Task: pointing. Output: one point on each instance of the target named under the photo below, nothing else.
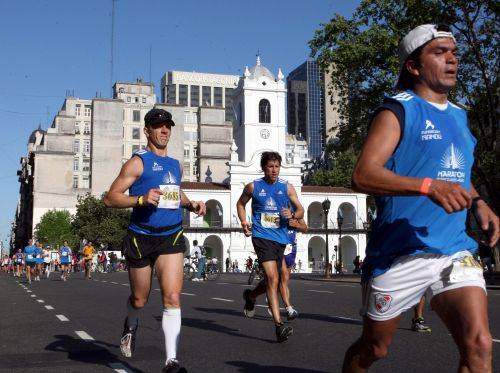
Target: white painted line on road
(83, 335)
(29, 291)
(104, 281)
(322, 291)
(120, 368)
(125, 284)
(40, 301)
(223, 283)
(159, 290)
(33, 296)
(347, 286)
(496, 340)
(49, 307)
(223, 300)
(247, 286)
(347, 318)
(265, 306)
(190, 294)
(116, 283)
(62, 318)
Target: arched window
(264, 111)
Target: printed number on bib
(30, 256)
(465, 268)
(171, 198)
(65, 254)
(270, 220)
(288, 249)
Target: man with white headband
(417, 160)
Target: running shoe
(127, 342)
(417, 325)
(283, 332)
(173, 367)
(249, 309)
(292, 314)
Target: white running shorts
(412, 276)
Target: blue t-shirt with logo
(19, 258)
(65, 254)
(30, 253)
(158, 172)
(267, 202)
(436, 144)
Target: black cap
(156, 116)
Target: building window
(86, 146)
(75, 182)
(76, 146)
(77, 109)
(86, 164)
(135, 148)
(218, 96)
(85, 182)
(206, 96)
(128, 98)
(77, 128)
(86, 128)
(136, 116)
(136, 99)
(121, 90)
(195, 151)
(186, 152)
(187, 169)
(144, 100)
(183, 94)
(136, 133)
(195, 96)
(264, 111)
(229, 104)
(88, 110)
(171, 97)
(76, 164)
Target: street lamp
(340, 220)
(326, 207)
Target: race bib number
(171, 198)
(288, 249)
(464, 269)
(64, 254)
(270, 220)
(30, 256)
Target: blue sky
(50, 46)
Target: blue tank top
(30, 253)
(65, 253)
(163, 173)
(436, 144)
(267, 202)
(19, 257)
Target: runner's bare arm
(298, 224)
(129, 173)
(371, 177)
(487, 219)
(294, 199)
(240, 207)
(197, 207)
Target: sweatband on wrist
(426, 184)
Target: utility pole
(112, 45)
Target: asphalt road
(75, 326)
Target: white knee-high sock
(171, 324)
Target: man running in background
(46, 261)
(29, 259)
(417, 160)
(38, 261)
(65, 260)
(18, 262)
(88, 255)
(271, 199)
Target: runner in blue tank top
(272, 203)
(30, 259)
(155, 237)
(417, 160)
(18, 263)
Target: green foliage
(363, 53)
(95, 222)
(340, 173)
(54, 228)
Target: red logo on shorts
(382, 302)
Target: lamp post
(340, 220)
(326, 207)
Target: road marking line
(29, 291)
(264, 306)
(62, 318)
(33, 296)
(40, 301)
(104, 281)
(223, 300)
(347, 318)
(159, 290)
(346, 286)
(49, 307)
(125, 284)
(322, 291)
(116, 283)
(120, 368)
(190, 294)
(223, 283)
(83, 335)
(496, 340)
(247, 286)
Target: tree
(339, 173)
(95, 222)
(54, 228)
(363, 53)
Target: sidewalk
(492, 281)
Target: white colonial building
(260, 125)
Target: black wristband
(475, 200)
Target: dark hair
(195, 242)
(407, 80)
(269, 156)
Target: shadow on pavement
(333, 319)
(246, 367)
(228, 312)
(93, 352)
